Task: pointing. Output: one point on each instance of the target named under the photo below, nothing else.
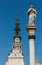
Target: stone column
(31, 28)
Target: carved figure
(32, 17)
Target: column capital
(31, 29)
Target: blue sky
(8, 13)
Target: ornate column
(31, 28)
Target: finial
(17, 29)
(31, 6)
(17, 21)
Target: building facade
(16, 56)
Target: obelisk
(31, 28)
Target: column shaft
(32, 51)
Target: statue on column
(32, 15)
